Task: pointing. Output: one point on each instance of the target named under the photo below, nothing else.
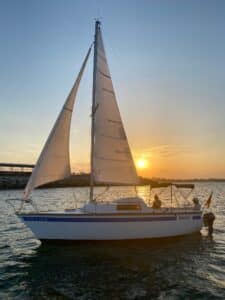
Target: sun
(142, 163)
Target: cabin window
(128, 207)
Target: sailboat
(111, 163)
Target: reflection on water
(191, 267)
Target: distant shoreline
(17, 180)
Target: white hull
(73, 226)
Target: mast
(97, 26)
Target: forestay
(54, 161)
(112, 159)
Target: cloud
(164, 151)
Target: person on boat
(157, 203)
(197, 205)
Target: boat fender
(208, 219)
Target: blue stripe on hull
(103, 219)
(196, 217)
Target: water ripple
(191, 267)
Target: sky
(167, 62)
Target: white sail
(54, 161)
(112, 159)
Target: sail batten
(54, 161)
(112, 158)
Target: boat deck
(82, 212)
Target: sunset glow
(168, 79)
(141, 163)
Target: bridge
(16, 167)
(14, 175)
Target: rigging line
(75, 198)
(175, 196)
(100, 194)
(149, 199)
(185, 197)
(8, 202)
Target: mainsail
(54, 161)
(112, 159)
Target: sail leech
(54, 161)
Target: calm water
(190, 267)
